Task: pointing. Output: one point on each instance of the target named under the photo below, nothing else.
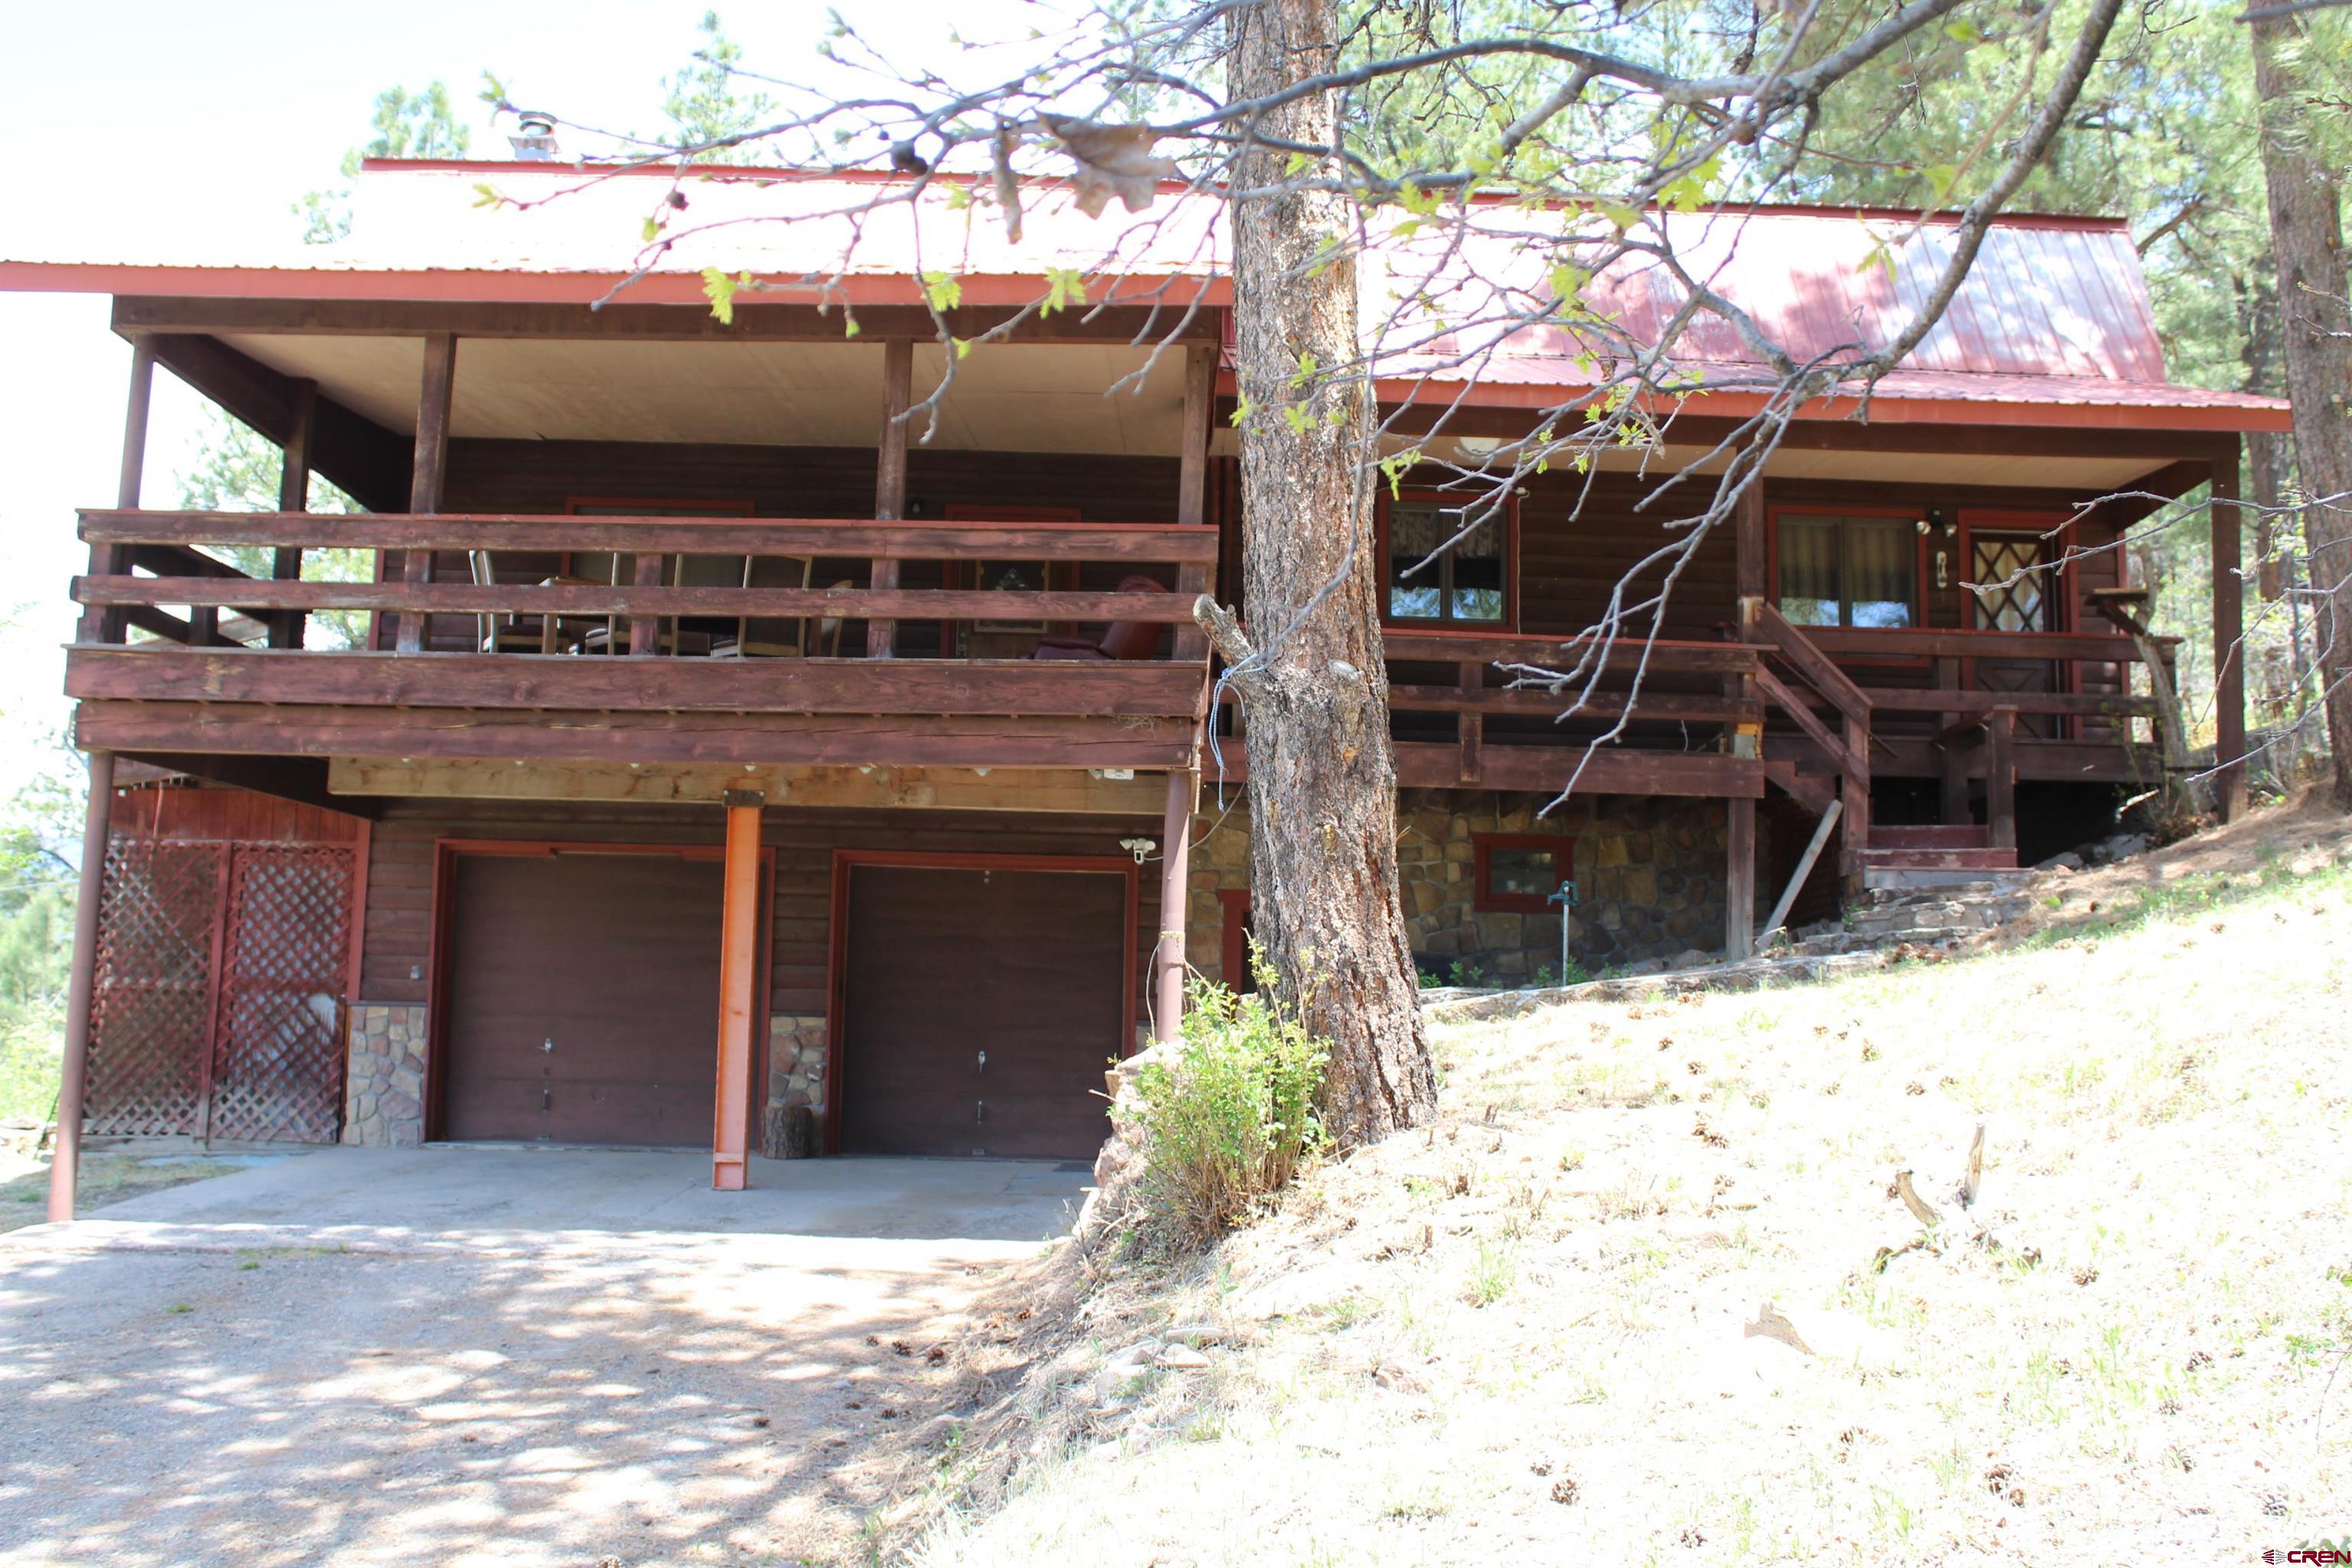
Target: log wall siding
(400, 889)
(178, 812)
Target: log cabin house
(670, 689)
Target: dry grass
(107, 1176)
(1519, 1336)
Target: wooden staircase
(1921, 857)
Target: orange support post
(738, 969)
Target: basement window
(1520, 872)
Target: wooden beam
(529, 736)
(2000, 777)
(1851, 642)
(1533, 702)
(532, 682)
(82, 987)
(1815, 793)
(644, 631)
(755, 321)
(1060, 791)
(286, 630)
(1739, 879)
(1411, 647)
(302, 780)
(628, 599)
(1192, 578)
(890, 478)
(1470, 722)
(1610, 770)
(1747, 525)
(2229, 641)
(1805, 862)
(739, 971)
(429, 468)
(1183, 790)
(1141, 543)
(1796, 708)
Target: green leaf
(1959, 29)
(1567, 280)
(719, 289)
(849, 327)
(962, 346)
(1297, 162)
(488, 196)
(1241, 409)
(652, 230)
(943, 289)
(1624, 218)
(1066, 286)
(1300, 418)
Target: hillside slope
(1531, 1335)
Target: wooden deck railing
(198, 686)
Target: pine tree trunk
(1322, 772)
(2308, 238)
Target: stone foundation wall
(797, 1052)
(384, 1092)
(1649, 875)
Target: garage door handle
(983, 1061)
(544, 1099)
(979, 1110)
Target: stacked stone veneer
(384, 1093)
(796, 1047)
(1649, 876)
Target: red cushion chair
(1119, 641)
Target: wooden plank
(1749, 585)
(100, 624)
(891, 479)
(1796, 708)
(1410, 647)
(431, 461)
(1120, 543)
(1470, 724)
(302, 780)
(2000, 777)
(644, 631)
(1815, 793)
(528, 737)
(628, 599)
(1065, 791)
(1811, 661)
(534, 682)
(1899, 700)
(1689, 707)
(1192, 485)
(1849, 642)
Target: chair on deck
(502, 631)
(769, 636)
(1121, 640)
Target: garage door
(584, 999)
(978, 1009)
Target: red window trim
(1776, 511)
(1509, 625)
(1484, 899)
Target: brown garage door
(584, 999)
(980, 1007)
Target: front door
(2015, 591)
(582, 998)
(978, 1007)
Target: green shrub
(1229, 1115)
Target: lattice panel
(157, 912)
(278, 1063)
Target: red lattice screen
(218, 1005)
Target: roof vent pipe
(536, 144)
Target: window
(1521, 871)
(2008, 571)
(1468, 583)
(1849, 571)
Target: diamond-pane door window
(2009, 585)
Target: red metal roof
(2053, 316)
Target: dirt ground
(179, 1394)
(1647, 1293)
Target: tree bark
(2307, 239)
(1322, 772)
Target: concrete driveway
(515, 1356)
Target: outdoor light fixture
(1139, 847)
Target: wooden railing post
(82, 983)
(431, 465)
(1954, 803)
(2000, 777)
(644, 631)
(890, 480)
(1471, 724)
(1739, 879)
(287, 627)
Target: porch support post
(286, 628)
(890, 478)
(1747, 525)
(1175, 898)
(2001, 778)
(1738, 880)
(100, 623)
(82, 987)
(2229, 632)
(1192, 483)
(432, 461)
(738, 969)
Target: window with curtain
(1848, 570)
(1466, 582)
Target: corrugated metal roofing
(2055, 312)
